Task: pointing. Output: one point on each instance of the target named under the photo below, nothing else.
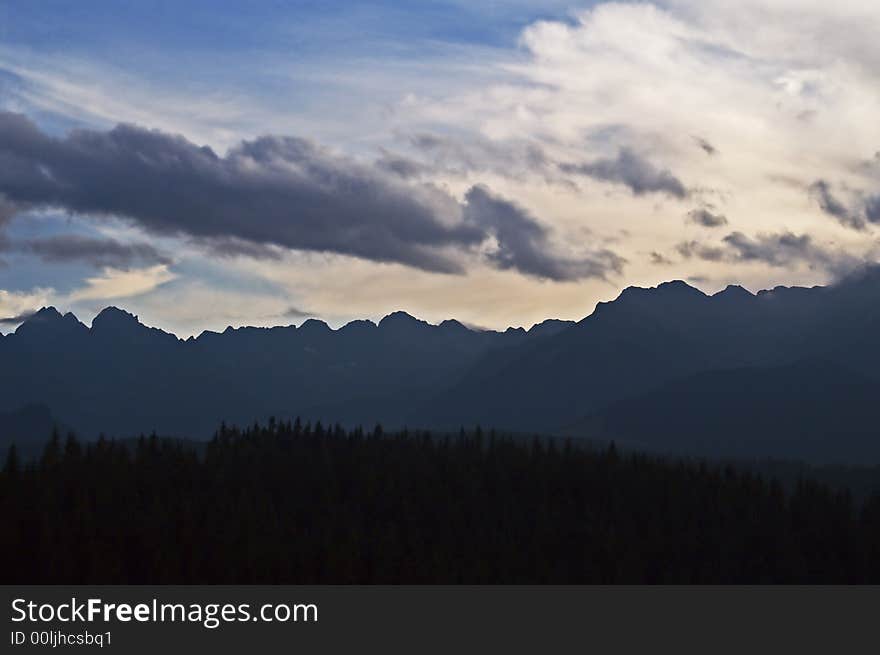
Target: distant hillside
(647, 338)
(28, 427)
(810, 410)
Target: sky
(204, 164)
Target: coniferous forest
(287, 503)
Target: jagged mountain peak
(399, 316)
(49, 320)
(44, 315)
(359, 325)
(734, 291)
(666, 291)
(113, 318)
(401, 319)
(314, 325)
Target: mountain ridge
(123, 377)
(115, 315)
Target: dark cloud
(833, 206)
(296, 313)
(695, 249)
(99, 253)
(872, 209)
(7, 210)
(523, 243)
(235, 247)
(706, 218)
(401, 166)
(284, 192)
(268, 195)
(707, 147)
(517, 159)
(781, 250)
(633, 171)
(659, 259)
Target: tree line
(308, 504)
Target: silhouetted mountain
(48, 327)
(648, 338)
(122, 377)
(120, 328)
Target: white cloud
(113, 284)
(784, 92)
(18, 304)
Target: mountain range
(791, 372)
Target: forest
(288, 503)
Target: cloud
(15, 320)
(100, 253)
(265, 194)
(16, 307)
(518, 159)
(7, 210)
(227, 246)
(270, 191)
(96, 91)
(831, 205)
(523, 243)
(689, 249)
(872, 208)
(705, 146)
(859, 211)
(624, 71)
(775, 249)
(122, 284)
(455, 155)
(296, 313)
(659, 259)
(663, 79)
(778, 250)
(633, 171)
(706, 218)
(401, 166)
